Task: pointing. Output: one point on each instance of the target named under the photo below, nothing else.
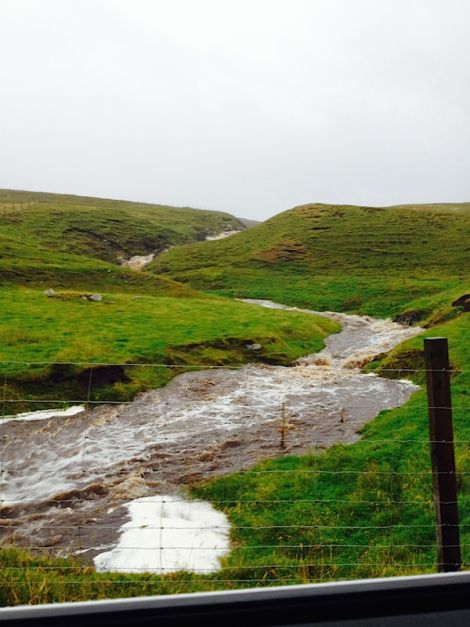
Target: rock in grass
(49, 292)
(95, 297)
(254, 346)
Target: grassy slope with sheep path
(376, 261)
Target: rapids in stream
(67, 480)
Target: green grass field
(133, 328)
(73, 245)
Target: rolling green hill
(73, 245)
(102, 228)
(62, 241)
(356, 259)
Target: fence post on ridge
(436, 356)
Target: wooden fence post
(436, 356)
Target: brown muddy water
(67, 480)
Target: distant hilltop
(375, 260)
(111, 230)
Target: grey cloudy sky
(248, 106)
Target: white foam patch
(45, 414)
(167, 534)
(137, 262)
(221, 235)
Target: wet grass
(135, 329)
(355, 259)
(98, 228)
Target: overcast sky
(248, 106)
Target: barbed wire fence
(355, 512)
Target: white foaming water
(44, 414)
(138, 262)
(166, 534)
(222, 235)
(361, 339)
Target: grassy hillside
(73, 245)
(40, 267)
(357, 259)
(129, 328)
(102, 228)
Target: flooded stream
(67, 479)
